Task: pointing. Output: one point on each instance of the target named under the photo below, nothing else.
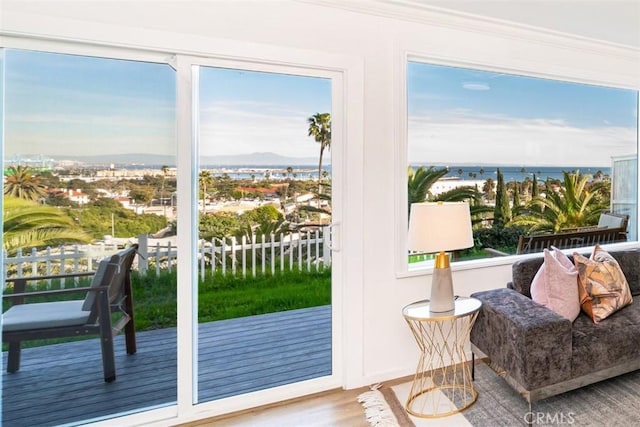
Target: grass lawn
(219, 297)
(227, 297)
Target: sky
(260, 112)
(463, 116)
(72, 105)
(62, 104)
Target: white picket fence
(304, 251)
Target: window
(513, 141)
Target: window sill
(425, 268)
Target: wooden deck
(63, 383)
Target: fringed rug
(384, 407)
(613, 402)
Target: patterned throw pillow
(555, 285)
(602, 286)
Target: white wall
(375, 327)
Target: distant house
(76, 196)
(123, 200)
(268, 193)
(304, 198)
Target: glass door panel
(90, 151)
(264, 291)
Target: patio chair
(110, 292)
(612, 220)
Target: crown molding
(414, 11)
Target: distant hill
(253, 159)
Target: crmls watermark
(546, 418)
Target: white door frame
(346, 149)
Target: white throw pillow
(555, 285)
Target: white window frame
(401, 158)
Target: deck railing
(257, 255)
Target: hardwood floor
(334, 408)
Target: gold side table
(443, 383)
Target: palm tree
(205, 180)
(470, 194)
(29, 225)
(487, 189)
(22, 183)
(320, 130)
(420, 181)
(264, 228)
(574, 204)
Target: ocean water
(510, 173)
(303, 172)
(275, 172)
(518, 173)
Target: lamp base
(441, 291)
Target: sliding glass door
(251, 303)
(264, 208)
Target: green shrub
(504, 239)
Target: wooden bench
(571, 239)
(611, 228)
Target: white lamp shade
(441, 226)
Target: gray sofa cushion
(614, 341)
(629, 261)
(522, 273)
(44, 315)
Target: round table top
(464, 306)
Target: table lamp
(437, 228)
